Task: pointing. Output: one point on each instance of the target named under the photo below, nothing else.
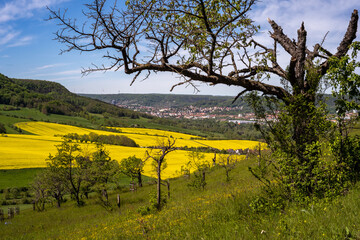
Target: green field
(11, 178)
(17, 177)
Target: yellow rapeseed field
(231, 144)
(25, 151)
(29, 151)
(54, 129)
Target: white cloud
(8, 37)
(50, 66)
(22, 41)
(76, 72)
(12, 10)
(17, 9)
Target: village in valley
(193, 112)
(235, 114)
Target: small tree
(54, 182)
(133, 167)
(164, 147)
(228, 163)
(40, 192)
(297, 167)
(72, 166)
(2, 128)
(102, 172)
(344, 78)
(200, 165)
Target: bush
(2, 128)
(26, 201)
(153, 205)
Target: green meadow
(220, 211)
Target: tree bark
(159, 185)
(139, 177)
(168, 188)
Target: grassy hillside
(221, 211)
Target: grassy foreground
(221, 211)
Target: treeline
(53, 98)
(104, 139)
(210, 127)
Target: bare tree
(164, 147)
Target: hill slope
(50, 97)
(221, 211)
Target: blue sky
(27, 48)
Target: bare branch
(349, 37)
(239, 95)
(281, 38)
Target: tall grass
(221, 211)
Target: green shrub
(2, 128)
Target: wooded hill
(53, 98)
